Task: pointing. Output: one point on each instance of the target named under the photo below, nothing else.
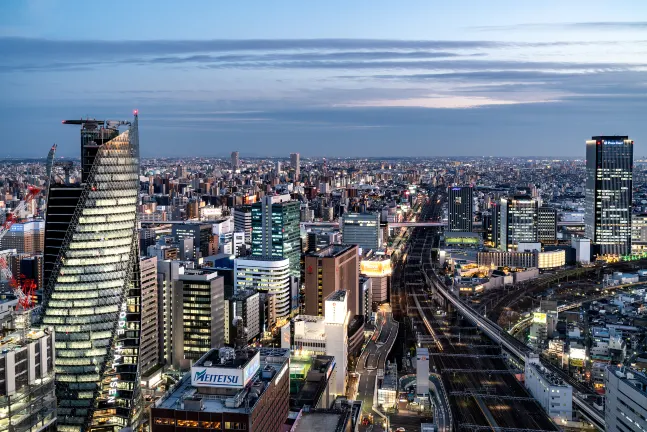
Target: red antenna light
(136, 112)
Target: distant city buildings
(235, 161)
(295, 164)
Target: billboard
(376, 268)
(224, 377)
(539, 317)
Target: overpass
(514, 346)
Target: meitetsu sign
(227, 377)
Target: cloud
(599, 25)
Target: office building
(362, 229)
(92, 294)
(27, 237)
(518, 221)
(168, 271)
(639, 233)
(378, 269)
(276, 231)
(553, 394)
(243, 221)
(327, 335)
(150, 325)
(27, 397)
(268, 275)
(547, 225)
(198, 315)
(333, 268)
(235, 161)
(609, 182)
(460, 208)
(625, 400)
(246, 305)
(229, 390)
(295, 164)
(204, 242)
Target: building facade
(333, 268)
(150, 325)
(27, 367)
(362, 229)
(518, 221)
(626, 400)
(92, 295)
(609, 182)
(547, 225)
(243, 221)
(200, 308)
(267, 275)
(460, 208)
(27, 237)
(276, 231)
(295, 164)
(235, 161)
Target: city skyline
(358, 83)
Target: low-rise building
(552, 393)
(27, 399)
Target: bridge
(514, 346)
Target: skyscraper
(275, 230)
(235, 162)
(92, 291)
(518, 221)
(609, 178)
(295, 163)
(547, 225)
(459, 202)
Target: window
(164, 421)
(188, 423)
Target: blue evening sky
(332, 78)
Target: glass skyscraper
(518, 221)
(609, 178)
(93, 290)
(276, 232)
(460, 208)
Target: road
(373, 358)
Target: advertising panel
(374, 268)
(539, 317)
(228, 377)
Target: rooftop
(636, 379)
(322, 421)
(186, 397)
(339, 295)
(226, 358)
(334, 250)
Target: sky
(336, 78)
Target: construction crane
(24, 301)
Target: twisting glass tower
(92, 293)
